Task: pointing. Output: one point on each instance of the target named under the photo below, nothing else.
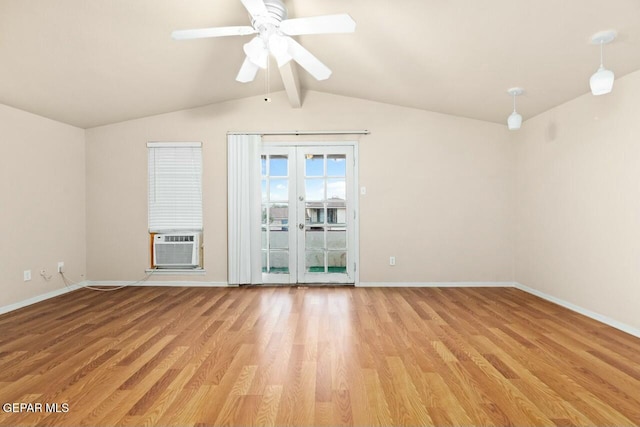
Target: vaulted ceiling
(94, 62)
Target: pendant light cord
(601, 53)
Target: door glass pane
(314, 238)
(314, 189)
(275, 216)
(279, 190)
(279, 262)
(314, 213)
(264, 190)
(278, 166)
(263, 165)
(314, 165)
(279, 227)
(336, 165)
(337, 238)
(337, 262)
(314, 261)
(336, 188)
(336, 213)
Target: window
(175, 186)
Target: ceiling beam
(289, 74)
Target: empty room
(330, 213)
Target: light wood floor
(317, 356)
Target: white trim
(40, 298)
(310, 143)
(170, 283)
(176, 271)
(173, 144)
(304, 132)
(591, 314)
(356, 208)
(436, 284)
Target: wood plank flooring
(279, 356)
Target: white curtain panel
(243, 155)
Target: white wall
(578, 202)
(42, 203)
(439, 188)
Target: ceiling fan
(269, 21)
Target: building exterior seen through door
(308, 214)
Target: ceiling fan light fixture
(279, 48)
(257, 52)
(269, 19)
(601, 82)
(514, 121)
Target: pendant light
(601, 81)
(515, 119)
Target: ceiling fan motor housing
(276, 13)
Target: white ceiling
(93, 62)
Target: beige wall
(578, 202)
(42, 203)
(554, 206)
(439, 188)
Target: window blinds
(175, 186)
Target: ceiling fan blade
(307, 61)
(247, 72)
(326, 24)
(255, 7)
(200, 33)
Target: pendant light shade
(601, 82)
(514, 121)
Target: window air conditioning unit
(176, 250)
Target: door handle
(301, 226)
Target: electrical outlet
(392, 260)
(27, 275)
(60, 267)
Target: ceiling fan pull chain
(267, 86)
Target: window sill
(176, 271)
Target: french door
(308, 214)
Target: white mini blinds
(175, 186)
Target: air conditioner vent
(179, 238)
(176, 250)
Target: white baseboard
(436, 284)
(591, 314)
(178, 283)
(39, 298)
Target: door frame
(356, 197)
